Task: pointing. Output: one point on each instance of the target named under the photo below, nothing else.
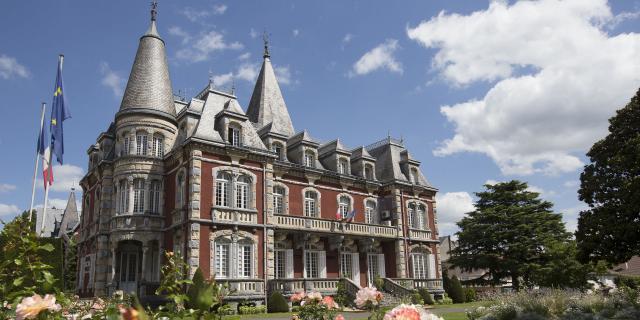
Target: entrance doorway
(130, 267)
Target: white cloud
(59, 204)
(452, 207)
(10, 67)
(283, 74)
(222, 79)
(572, 183)
(570, 216)
(347, 38)
(558, 78)
(65, 177)
(206, 44)
(8, 211)
(5, 187)
(180, 33)
(622, 17)
(112, 79)
(253, 33)
(244, 56)
(219, 9)
(247, 72)
(380, 57)
(296, 32)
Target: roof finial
(154, 10)
(265, 38)
(233, 86)
(210, 77)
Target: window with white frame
(138, 195)
(415, 176)
(283, 263)
(421, 215)
(141, 143)
(343, 206)
(310, 203)
(309, 159)
(278, 149)
(411, 215)
(245, 259)
(126, 145)
(375, 266)
(242, 192)
(158, 146)
(154, 197)
(346, 265)
(123, 196)
(234, 136)
(222, 254)
(315, 264)
(370, 215)
(419, 265)
(343, 166)
(368, 172)
(180, 192)
(278, 199)
(223, 190)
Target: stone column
(193, 210)
(113, 265)
(130, 186)
(400, 249)
(145, 253)
(147, 195)
(160, 256)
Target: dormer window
(309, 159)
(277, 148)
(368, 172)
(234, 136)
(343, 166)
(415, 176)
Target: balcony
(234, 216)
(419, 234)
(137, 222)
(433, 285)
(332, 226)
(290, 286)
(243, 288)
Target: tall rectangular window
(310, 204)
(346, 265)
(370, 212)
(138, 195)
(343, 206)
(124, 197)
(141, 144)
(154, 197)
(419, 265)
(223, 181)
(311, 264)
(127, 146)
(309, 159)
(280, 264)
(244, 259)
(158, 146)
(234, 136)
(278, 200)
(222, 260)
(241, 195)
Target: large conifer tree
(508, 234)
(610, 185)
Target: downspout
(405, 228)
(264, 230)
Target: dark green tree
(561, 268)
(610, 185)
(508, 233)
(457, 293)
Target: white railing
(289, 286)
(315, 224)
(412, 283)
(234, 216)
(243, 287)
(420, 234)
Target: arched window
(343, 206)
(415, 176)
(278, 199)
(123, 197)
(223, 190)
(310, 204)
(138, 195)
(222, 257)
(180, 184)
(370, 215)
(343, 166)
(421, 213)
(243, 192)
(309, 159)
(368, 172)
(154, 197)
(234, 134)
(278, 149)
(141, 143)
(158, 146)
(411, 215)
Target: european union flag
(59, 113)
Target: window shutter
(288, 262)
(381, 265)
(355, 267)
(322, 264)
(432, 266)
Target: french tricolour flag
(45, 153)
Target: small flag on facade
(350, 216)
(59, 113)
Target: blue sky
(480, 91)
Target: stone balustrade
(220, 214)
(137, 222)
(243, 288)
(433, 285)
(290, 286)
(323, 225)
(419, 234)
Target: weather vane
(154, 10)
(265, 38)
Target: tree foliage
(457, 292)
(610, 185)
(508, 234)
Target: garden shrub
(445, 300)
(277, 303)
(457, 293)
(416, 298)
(470, 294)
(378, 283)
(200, 292)
(342, 296)
(248, 309)
(426, 296)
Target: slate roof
(333, 146)
(267, 104)
(149, 85)
(361, 152)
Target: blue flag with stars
(59, 113)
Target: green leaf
(47, 247)
(18, 262)
(18, 281)
(48, 277)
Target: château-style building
(246, 197)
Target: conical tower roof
(149, 86)
(267, 104)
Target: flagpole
(35, 171)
